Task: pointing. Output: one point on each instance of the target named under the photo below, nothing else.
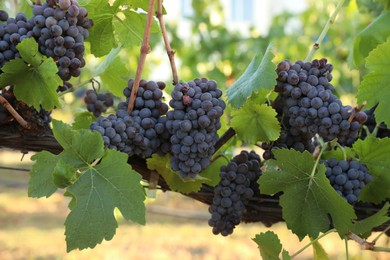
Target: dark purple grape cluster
(13, 31)
(238, 184)
(142, 132)
(60, 28)
(306, 106)
(98, 103)
(347, 177)
(193, 124)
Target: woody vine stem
(330, 21)
(145, 48)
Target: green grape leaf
(130, 30)
(64, 174)
(41, 180)
(74, 153)
(364, 227)
(97, 182)
(32, 73)
(72, 202)
(110, 184)
(108, 60)
(319, 252)
(269, 245)
(83, 120)
(28, 50)
(101, 35)
(113, 72)
(372, 87)
(369, 38)
(115, 77)
(254, 122)
(308, 201)
(286, 255)
(259, 74)
(162, 165)
(375, 154)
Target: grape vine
(324, 165)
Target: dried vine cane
(145, 48)
(4, 102)
(170, 52)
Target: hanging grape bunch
(193, 124)
(238, 184)
(12, 31)
(347, 177)
(60, 28)
(98, 103)
(306, 106)
(142, 132)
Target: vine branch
(224, 138)
(170, 52)
(4, 102)
(330, 21)
(380, 234)
(145, 48)
(365, 245)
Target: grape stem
(4, 102)
(342, 150)
(74, 87)
(330, 21)
(170, 52)
(145, 48)
(220, 156)
(323, 148)
(311, 242)
(356, 110)
(380, 234)
(30, 3)
(365, 245)
(346, 249)
(153, 181)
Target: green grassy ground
(33, 229)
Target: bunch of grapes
(98, 103)
(238, 184)
(306, 106)
(347, 177)
(142, 132)
(11, 33)
(60, 27)
(289, 138)
(193, 125)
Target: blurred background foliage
(223, 55)
(214, 50)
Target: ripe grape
(194, 118)
(347, 177)
(237, 185)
